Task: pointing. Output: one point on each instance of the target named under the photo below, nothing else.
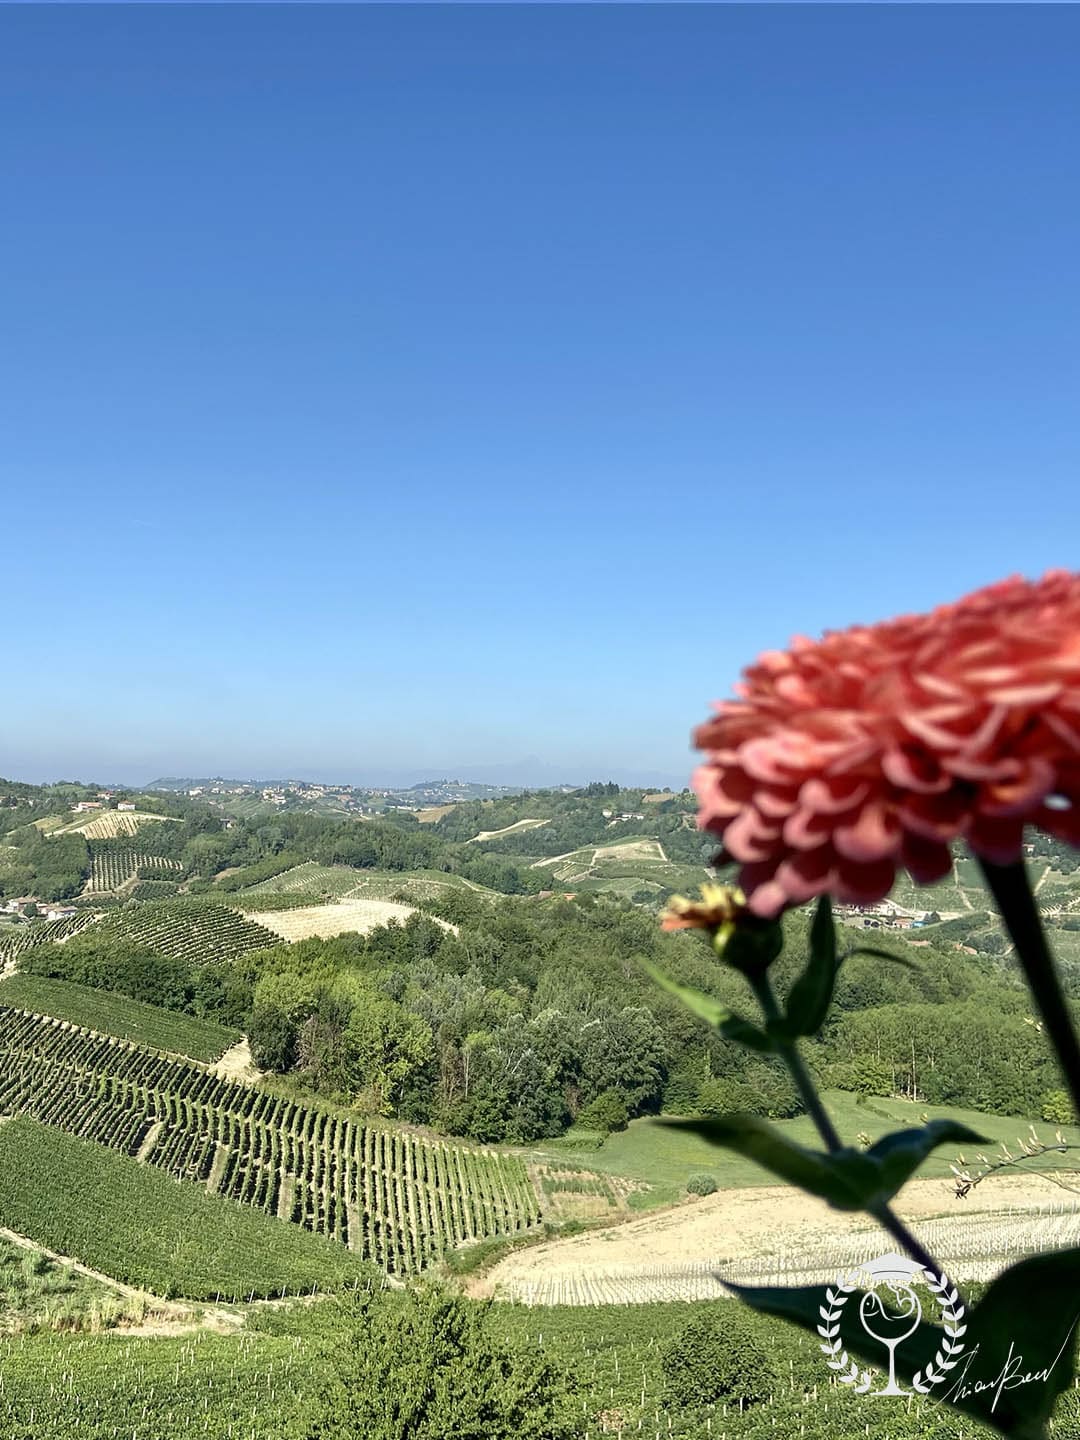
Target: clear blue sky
(411, 389)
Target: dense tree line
(33, 864)
(537, 1014)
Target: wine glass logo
(889, 1314)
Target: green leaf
(732, 1026)
(810, 1170)
(849, 1178)
(882, 955)
(901, 1153)
(811, 995)
(1018, 1346)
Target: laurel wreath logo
(946, 1357)
(952, 1312)
(848, 1372)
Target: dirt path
(237, 1064)
(553, 860)
(508, 830)
(752, 1222)
(130, 1292)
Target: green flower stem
(789, 1053)
(1016, 904)
(887, 1217)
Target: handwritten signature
(1010, 1377)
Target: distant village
(354, 799)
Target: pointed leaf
(811, 995)
(901, 1153)
(732, 1026)
(834, 1178)
(743, 1033)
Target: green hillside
(388, 1195)
(137, 1225)
(113, 1014)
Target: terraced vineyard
(114, 864)
(42, 932)
(310, 878)
(189, 928)
(393, 1198)
(110, 824)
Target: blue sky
(409, 389)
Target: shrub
(427, 1366)
(720, 1095)
(606, 1113)
(701, 1185)
(719, 1354)
(1057, 1108)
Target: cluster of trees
(480, 1034)
(50, 869)
(213, 989)
(538, 1015)
(578, 819)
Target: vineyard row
(395, 1198)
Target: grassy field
(258, 1385)
(117, 1015)
(38, 1293)
(633, 865)
(663, 1157)
(166, 1236)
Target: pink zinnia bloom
(874, 747)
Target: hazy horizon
(531, 772)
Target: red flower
(874, 747)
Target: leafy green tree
(384, 1044)
(863, 1074)
(426, 1367)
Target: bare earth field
(335, 919)
(773, 1232)
(237, 1064)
